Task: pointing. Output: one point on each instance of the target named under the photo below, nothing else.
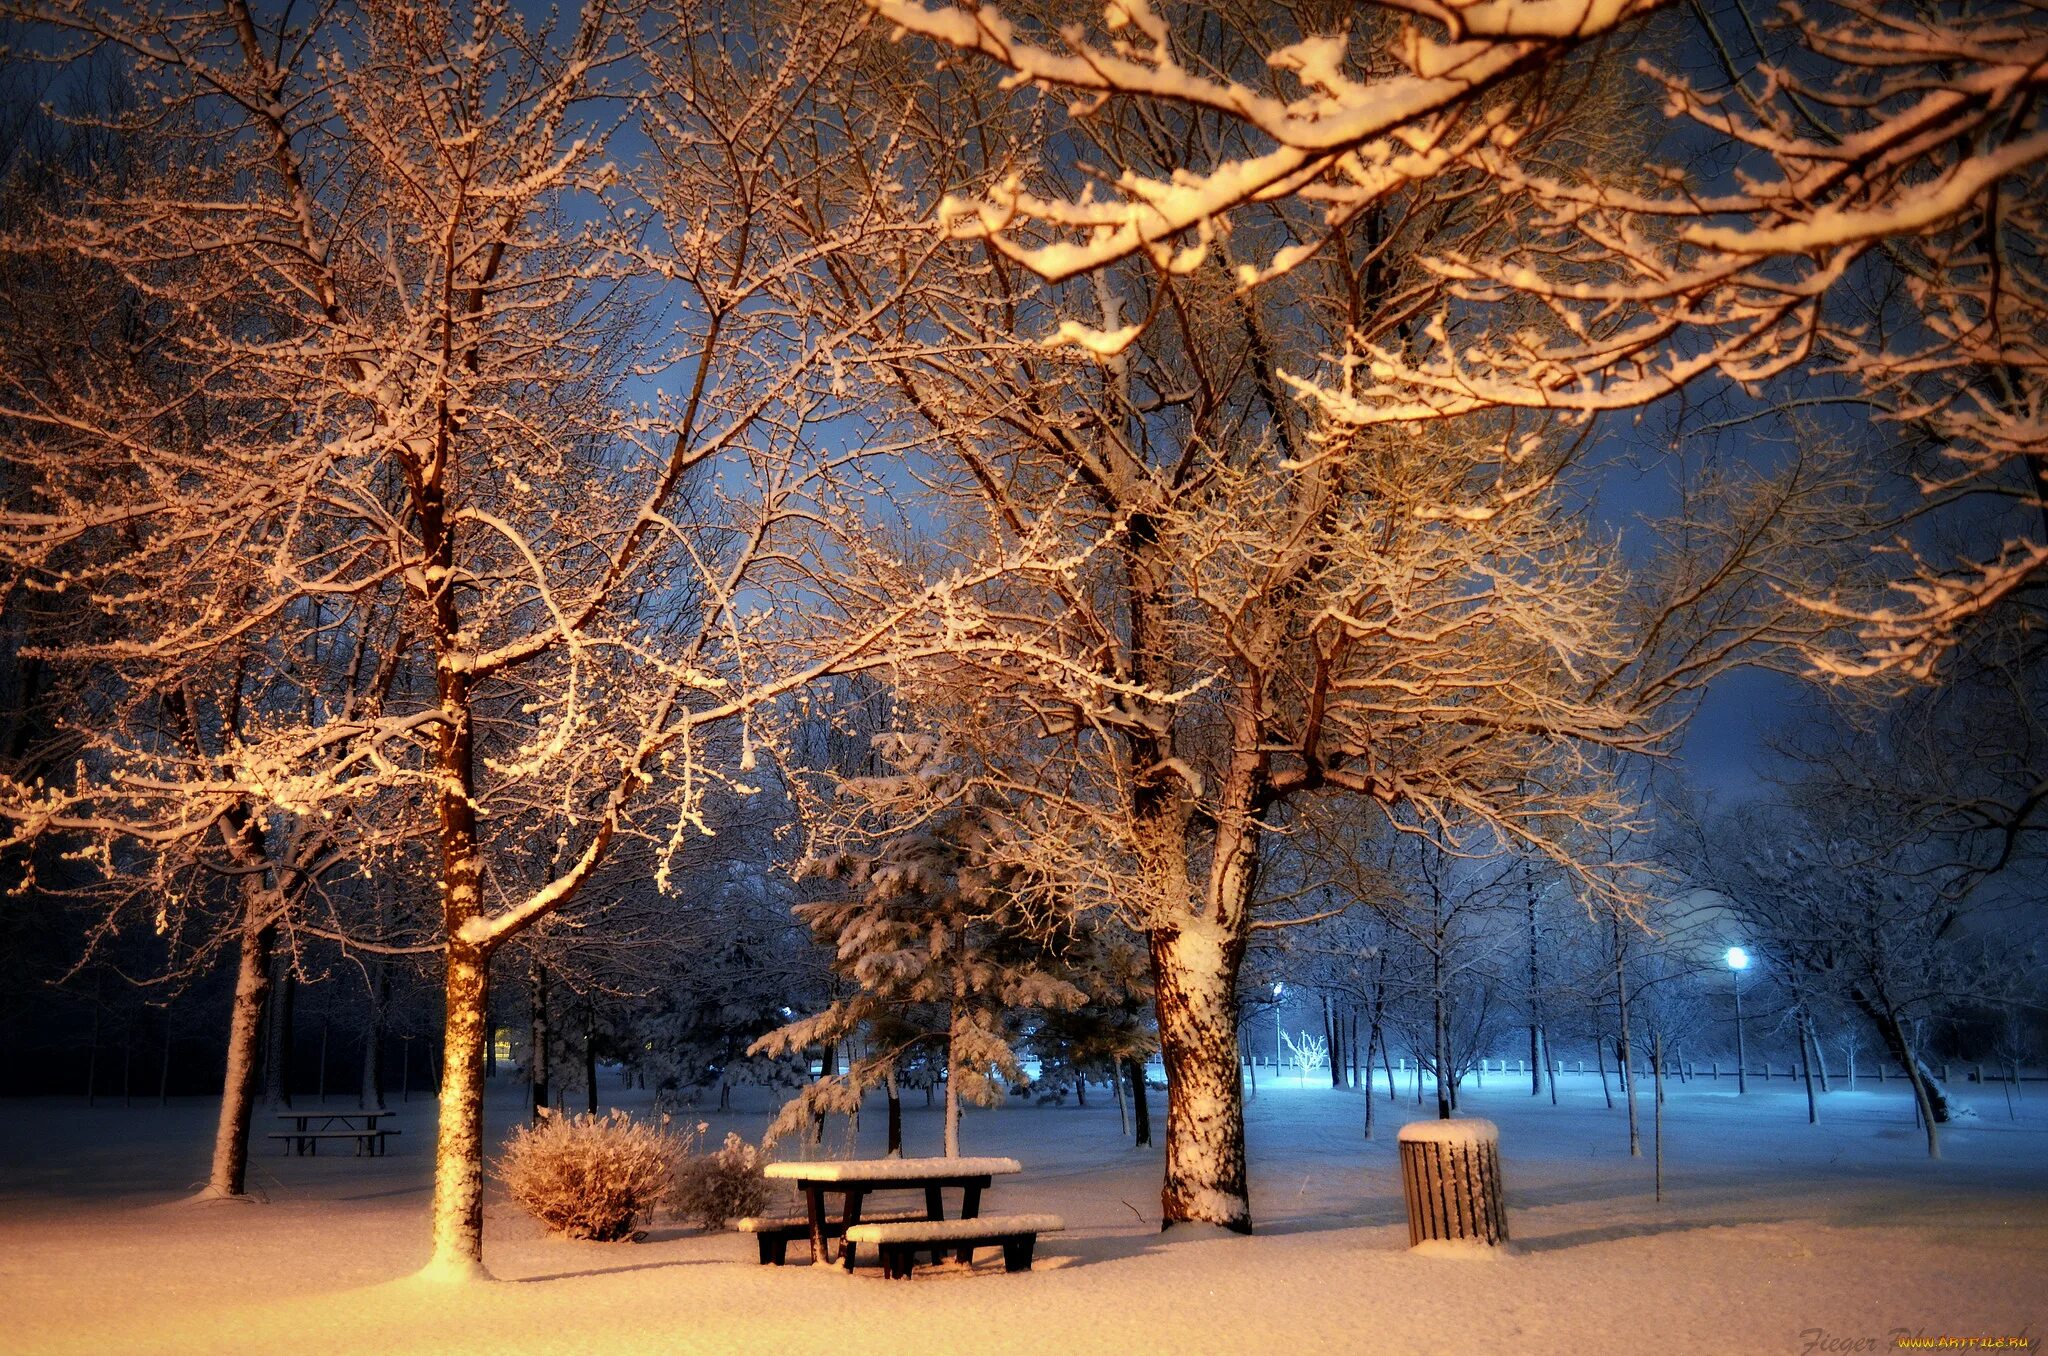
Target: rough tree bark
(458, 1206)
(229, 1174)
(1195, 973)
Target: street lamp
(1279, 1034)
(1738, 961)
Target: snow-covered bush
(713, 1188)
(590, 1176)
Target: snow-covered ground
(1774, 1237)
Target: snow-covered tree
(1110, 1035)
(1208, 604)
(1868, 139)
(1855, 906)
(426, 339)
(936, 934)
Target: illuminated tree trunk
(1195, 972)
(229, 1175)
(458, 1227)
(458, 1210)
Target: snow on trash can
(1450, 1174)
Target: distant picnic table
(854, 1178)
(304, 1137)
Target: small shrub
(590, 1176)
(715, 1188)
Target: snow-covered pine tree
(932, 928)
(1110, 1036)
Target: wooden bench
(774, 1235)
(308, 1141)
(901, 1242)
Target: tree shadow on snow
(577, 1273)
(1612, 1233)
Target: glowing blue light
(1738, 958)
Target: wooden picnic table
(854, 1178)
(304, 1136)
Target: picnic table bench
(304, 1137)
(854, 1179)
(774, 1233)
(901, 1242)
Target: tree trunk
(1443, 1053)
(229, 1174)
(952, 1109)
(1929, 1099)
(1621, 1048)
(1806, 1067)
(283, 996)
(1657, 1068)
(1141, 1110)
(458, 1221)
(1535, 1011)
(371, 1095)
(1626, 1076)
(1893, 1030)
(1600, 1058)
(590, 1057)
(163, 1070)
(1334, 1024)
(895, 1117)
(1372, 1038)
(1123, 1103)
(954, 1027)
(537, 1041)
(1195, 971)
(828, 1065)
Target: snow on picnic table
(938, 1230)
(891, 1169)
(1771, 1230)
